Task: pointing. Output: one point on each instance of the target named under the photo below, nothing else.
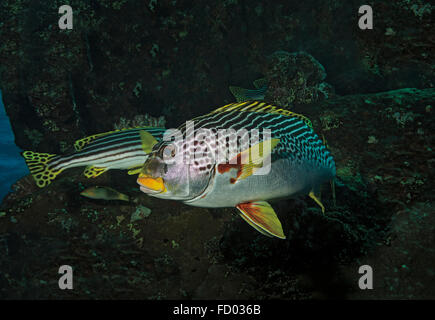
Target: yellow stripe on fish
(262, 107)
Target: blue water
(12, 165)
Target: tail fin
(38, 166)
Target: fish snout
(148, 184)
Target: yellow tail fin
(38, 167)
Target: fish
(258, 93)
(189, 169)
(104, 193)
(118, 149)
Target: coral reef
(295, 79)
(140, 121)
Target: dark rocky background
(176, 59)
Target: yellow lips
(155, 184)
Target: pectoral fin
(148, 141)
(261, 216)
(250, 160)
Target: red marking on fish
(225, 167)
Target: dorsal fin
(81, 143)
(262, 107)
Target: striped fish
(258, 93)
(119, 149)
(191, 170)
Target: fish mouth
(151, 185)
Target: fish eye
(168, 152)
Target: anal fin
(261, 216)
(316, 196)
(92, 172)
(255, 226)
